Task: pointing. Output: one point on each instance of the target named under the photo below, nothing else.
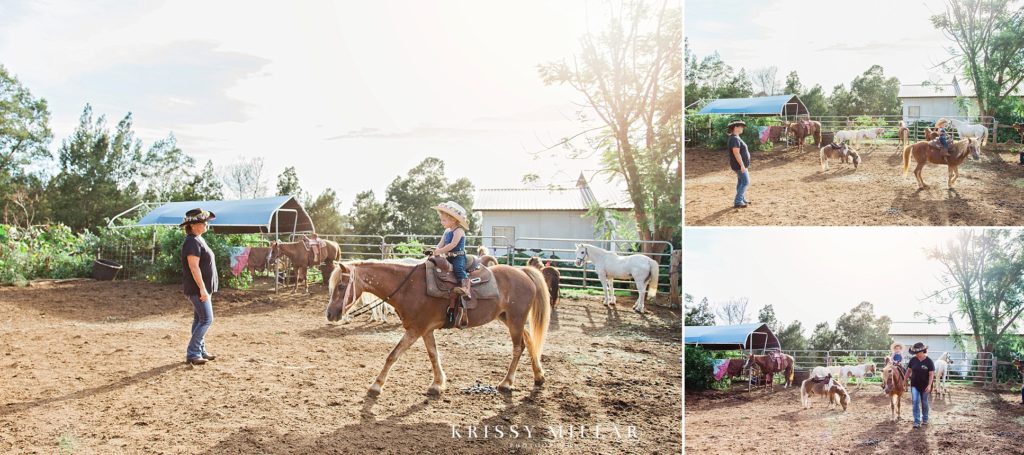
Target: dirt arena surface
(788, 188)
(969, 421)
(98, 367)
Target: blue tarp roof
(764, 105)
(741, 336)
(238, 217)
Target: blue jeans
(922, 399)
(742, 182)
(459, 266)
(202, 317)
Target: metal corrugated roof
(763, 105)
(934, 91)
(740, 336)
(238, 216)
(541, 199)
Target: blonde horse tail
(984, 137)
(652, 280)
(906, 159)
(540, 311)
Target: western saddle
(314, 246)
(442, 283)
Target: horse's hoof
(435, 390)
(374, 391)
(504, 388)
(538, 381)
(638, 310)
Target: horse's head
(581, 254)
(275, 252)
(974, 147)
(535, 263)
(340, 292)
(843, 395)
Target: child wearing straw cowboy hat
(199, 280)
(943, 139)
(453, 241)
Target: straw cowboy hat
(197, 216)
(453, 209)
(893, 346)
(918, 347)
(941, 123)
(734, 124)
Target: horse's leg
(440, 380)
(918, 174)
(515, 330)
(605, 286)
(954, 173)
(538, 370)
(407, 340)
(641, 288)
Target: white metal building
(516, 213)
(933, 101)
(938, 336)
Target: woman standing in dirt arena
(739, 161)
(922, 374)
(199, 279)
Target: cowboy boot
(466, 286)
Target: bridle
(385, 299)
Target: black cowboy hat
(918, 347)
(735, 123)
(197, 216)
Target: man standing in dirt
(922, 373)
(739, 161)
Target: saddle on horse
(442, 282)
(777, 360)
(314, 246)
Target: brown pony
(551, 276)
(769, 368)
(904, 135)
(523, 296)
(894, 382)
(487, 260)
(804, 128)
(845, 154)
(1019, 128)
(302, 259)
(925, 153)
(930, 134)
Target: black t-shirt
(196, 246)
(920, 369)
(736, 142)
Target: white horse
(846, 135)
(857, 371)
(642, 269)
(942, 373)
(965, 129)
(871, 133)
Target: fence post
(995, 131)
(675, 275)
(995, 370)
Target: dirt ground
(98, 367)
(788, 188)
(968, 421)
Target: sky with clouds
(827, 43)
(352, 94)
(815, 274)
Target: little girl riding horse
(453, 242)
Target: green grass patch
(67, 443)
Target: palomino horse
(522, 296)
(894, 382)
(925, 153)
(551, 276)
(904, 135)
(964, 129)
(769, 367)
(642, 269)
(843, 152)
(803, 128)
(302, 259)
(827, 387)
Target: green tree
(984, 277)
(630, 75)
(792, 336)
(767, 316)
(368, 216)
(205, 185)
(168, 174)
(711, 78)
(98, 172)
(823, 338)
(988, 36)
(815, 100)
(860, 329)
(288, 184)
(325, 211)
(873, 93)
(841, 102)
(24, 137)
(700, 314)
(410, 200)
(793, 85)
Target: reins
(386, 299)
